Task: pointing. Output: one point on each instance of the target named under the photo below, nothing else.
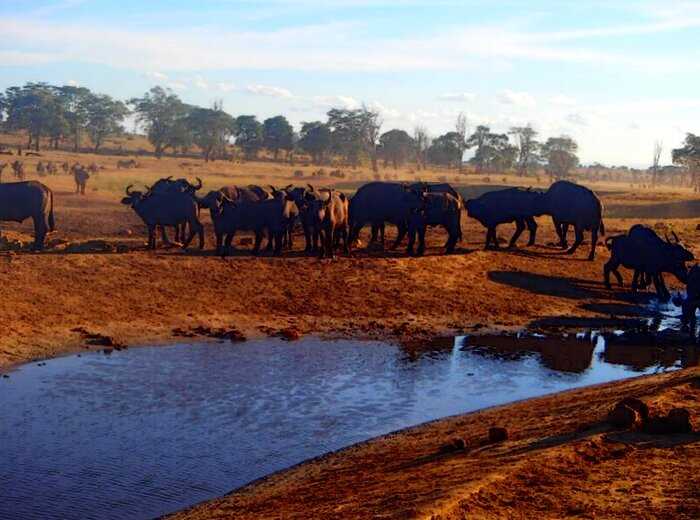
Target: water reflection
(151, 430)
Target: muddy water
(147, 431)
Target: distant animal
(378, 202)
(22, 200)
(40, 169)
(330, 215)
(643, 251)
(93, 168)
(126, 164)
(439, 209)
(166, 209)
(18, 169)
(51, 168)
(503, 206)
(81, 176)
(65, 167)
(572, 204)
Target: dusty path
(560, 461)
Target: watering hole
(151, 430)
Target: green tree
(278, 135)
(688, 157)
(487, 144)
(74, 102)
(249, 135)
(396, 146)
(355, 134)
(211, 128)
(316, 140)
(36, 109)
(104, 118)
(446, 150)
(560, 156)
(163, 114)
(527, 148)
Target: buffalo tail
(52, 223)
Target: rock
(290, 334)
(622, 416)
(679, 420)
(234, 336)
(497, 434)
(639, 406)
(453, 446)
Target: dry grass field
(97, 277)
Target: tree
(461, 130)
(278, 135)
(560, 154)
(104, 118)
(354, 133)
(421, 140)
(396, 146)
(488, 145)
(249, 135)
(75, 102)
(658, 149)
(210, 129)
(315, 139)
(446, 150)
(163, 114)
(527, 147)
(688, 156)
(36, 109)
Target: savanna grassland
(96, 277)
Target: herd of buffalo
(330, 219)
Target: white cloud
(326, 102)
(73, 83)
(518, 99)
(154, 74)
(226, 87)
(562, 100)
(268, 90)
(176, 85)
(199, 82)
(457, 97)
(384, 111)
(576, 118)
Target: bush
(298, 173)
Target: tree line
(69, 114)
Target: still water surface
(151, 430)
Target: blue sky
(616, 76)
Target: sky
(617, 76)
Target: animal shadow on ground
(561, 287)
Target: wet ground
(146, 431)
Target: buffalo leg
(452, 238)
(400, 236)
(532, 228)
(594, 242)
(219, 243)
(258, 241)
(307, 237)
(228, 248)
(151, 237)
(279, 239)
(661, 290)
(344, 233)
(491, 237)
(39, 232)
(421, 240)
(577, 242)
(611, 267)
(270, 239)
(635, 279)
(519, 228)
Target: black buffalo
(22, 200)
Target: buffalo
(305, 199)
(572, 204)
(503, 206)
(642, 250)
(330, 219)
(691, 303)
(81, 176)
(166, 209)
(231, 216)
(378, 202)
(126, 164)
(439, 209)
(22, 200)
